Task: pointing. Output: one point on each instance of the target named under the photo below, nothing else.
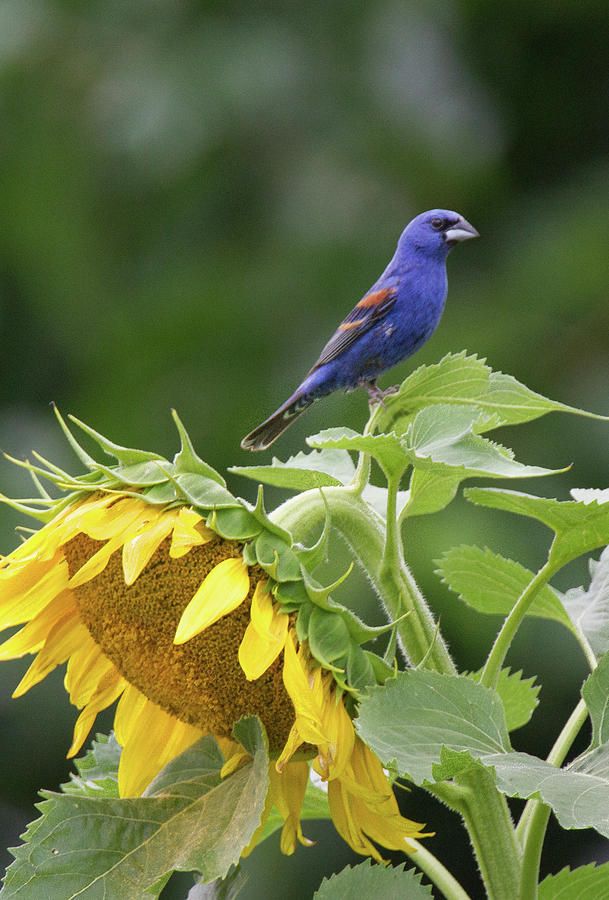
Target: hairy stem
(365, 533)
(437, 873)
(532, 826)
(496, 658)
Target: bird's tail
(269, 430)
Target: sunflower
(162, 591)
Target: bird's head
(435, 233)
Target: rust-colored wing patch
(375, 298)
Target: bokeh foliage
(192, 194)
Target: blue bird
(398, 315)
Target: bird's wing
(371, 309)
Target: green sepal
(204, 492)
(360, 672)
(158, 494)
(153, 471)
(292, 595)
(43, 515)
(187, 460)
(381, 668)
(125, 455)
(277, 558)
(321, 595)
(80, 452)
(312, 556)
(260, 514)
(329, 637)
(302, 622)
(234, 523)
(360, 632)
(248, 553)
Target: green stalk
(531, 830)
(488, 821)
(436, 872)
(365, 533)
(496, 658)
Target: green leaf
(589, 609)
(368, 882)
(515, 403)
(595, 691)
(97, 769)
(431, 490)
(450, 435)
(589, 882)
(518, 695)
(457, 378)
(221, 888)
(492, 584)
(432, 727)
(321, 468)
(413, 715)
(387, 449)
(579, 527)
(191, 820)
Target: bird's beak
(461, 231)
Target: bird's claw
(377, 395)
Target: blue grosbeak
(398, 315)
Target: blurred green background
(193, 194)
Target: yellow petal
(264, 637)
(86, 667)
(138, 550)
(63, 639)
(127, 713)
(107, 691)
(189, 531)
(222, 591)
(289, 791)
(32, 590)
(32, 636)
(155, 739)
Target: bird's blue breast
(421, 294)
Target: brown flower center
(201, 681)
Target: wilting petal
(155, 738)
(109, 688)
(264, 637)
(138, 550)
(189, 531)
(222, 591)
(63, 639)
(289, 791)
(32, 636)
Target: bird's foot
(377, 395)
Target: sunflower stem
(531, 830)
(365, 533)
(444, 880)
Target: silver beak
(461, 231)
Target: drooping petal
(138, 550)
(86, 667)
(32, 636)
(155, 738)
(31, 590)
(63, 639)
(264, 637)
(189, 531)
(107, 691)
(222, 591)
(289, 791)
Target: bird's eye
(437, 223)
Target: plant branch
(364, 531)
(533, 822)
(496, 658)
(436, 872)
